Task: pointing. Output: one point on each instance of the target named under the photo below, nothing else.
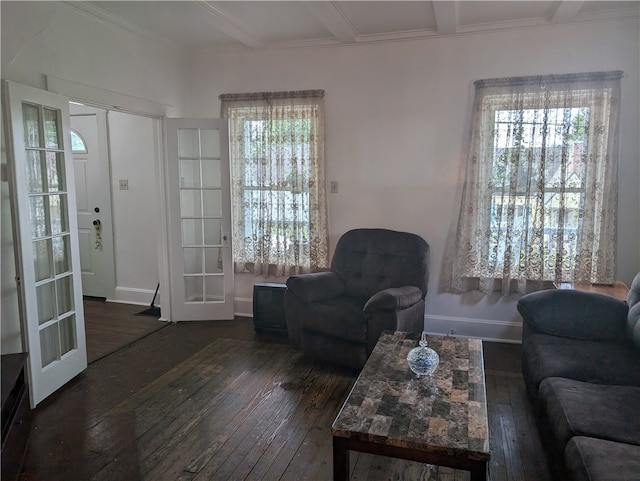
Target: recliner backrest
(371, 260)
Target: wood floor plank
(236, 429)
(513, 461)
(531, 451)
(497, 466)
(203, 431)
(109, 326)
(306, 438)
(314, 459)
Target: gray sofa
(378, 280)
(581, 367)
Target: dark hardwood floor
(215, 401)
(110, 326)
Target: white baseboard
(243, 306)
(132, 295)
(488, 330)
(501, 331)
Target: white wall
(136, 210)
(49, 38)
(397, 119)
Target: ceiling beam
(227, 24)
(566, 11)
(333, 20)
(446, 13)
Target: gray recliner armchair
(378, 280)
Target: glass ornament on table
(423, 360)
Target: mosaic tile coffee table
(438, 420)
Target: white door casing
(45, 232)
(199, 221)
(93, 201)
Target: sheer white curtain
(279, 205)
(539, 201)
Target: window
(78, 145)
(278, 188)
(539, 201)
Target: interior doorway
(116, 187)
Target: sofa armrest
(317, 286)
(393, 299)
(574, 314)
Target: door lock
(97, 228)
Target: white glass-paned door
(41, 172)
(200, 219)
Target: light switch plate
(124, 184)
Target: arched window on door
(78, 145)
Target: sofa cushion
(576, 408)
(341, 318)
(546, 356)
(591, 459)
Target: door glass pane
(191, 232)
(51, 129)
(215, 288)
(210, 140)
(64, 289)
(212, 232)
(210, 173)
(49, 344)
(46, 299)
(193, 290)
(67, 334)
(34, 171)
(213, 260)
(58, 212)
(61, 254)
(78, 145)
(55, 175)
(42, 259)
(39, 224)
(192, 260)
(188, 143)
(190, 173)
(212, 203)
(30, 121)
(190, 203)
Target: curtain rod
(550, 79)
(296, 94)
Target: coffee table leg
(340, 459)
(479, 473)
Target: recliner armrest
(393, 299)
(317, 286)
(575, 314)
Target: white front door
(46, 242)
(198, 195)
(93, 202)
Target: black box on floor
(268, 307)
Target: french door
(45, 234)
(198, 195)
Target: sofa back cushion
(371, 260)
(633, 318)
